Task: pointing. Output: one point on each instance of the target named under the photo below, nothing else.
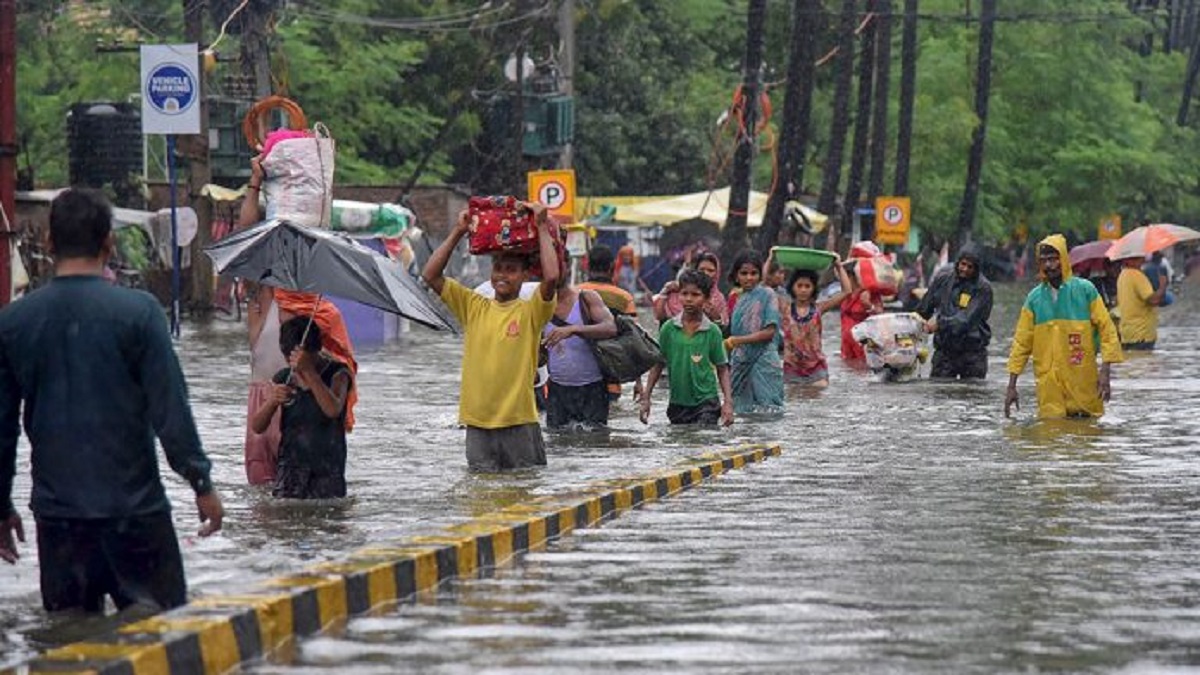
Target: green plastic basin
(798, 258)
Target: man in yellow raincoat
(1062, 324)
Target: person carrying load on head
(956, 309)
(500, 346)
(1062, 324)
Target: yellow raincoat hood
(1064, 330)
(1059, 243)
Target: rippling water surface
(906, 528)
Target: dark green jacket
(96, 370)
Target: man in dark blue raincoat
(956, 308)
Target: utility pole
(196, 151)
(8, 142)
(566, 67)
(733, 238)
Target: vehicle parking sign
(555, 190)
(170, 89)
(892, 216)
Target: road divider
(214, 634)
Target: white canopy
(713, 207)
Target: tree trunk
(199, 173)
(733, 238)
(983, 85)
(879, 122)
(908, 95)
(862, 122)
(832, 174)
(1189, 82)
(797, 111)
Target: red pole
(8, 140)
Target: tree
(840, 125)
(983, 90)
(733, 237)
(862, 119)
(797, 111)
(879, 122)
(908, 87)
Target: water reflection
(907, 527)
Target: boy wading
(500, 349)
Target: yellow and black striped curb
(213, 635)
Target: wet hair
(292, 333)
(746, 257)
(802, 274)
(1049, 248)
(80, 222)
(700, 280)
(525, 259)
(600, 259)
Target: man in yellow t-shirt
(1138, 302)
(500, 348)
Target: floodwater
(906, 528)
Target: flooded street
(905, 528)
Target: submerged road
(904, 528)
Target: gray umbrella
(279, 253)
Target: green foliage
(653, 78)
(58, 65)
(1080, 123)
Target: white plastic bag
(298, 181)
(895, 344)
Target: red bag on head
(865, 249)
(500, 224)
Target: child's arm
(261, 419)
(651, 380)
(436, 265)
(660, 300)
(836, 299)
(726, 383)
(331, 399)
(764, 335)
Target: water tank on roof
(104, 143)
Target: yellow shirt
(1139, 318)
(500, 349)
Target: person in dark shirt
(957, 308)
(99, 379)
(312, 394)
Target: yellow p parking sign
(555, 190)
(892, 216)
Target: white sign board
(170, 89)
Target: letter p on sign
(555, 190)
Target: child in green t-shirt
(695, 354)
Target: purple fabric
(572, 363)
